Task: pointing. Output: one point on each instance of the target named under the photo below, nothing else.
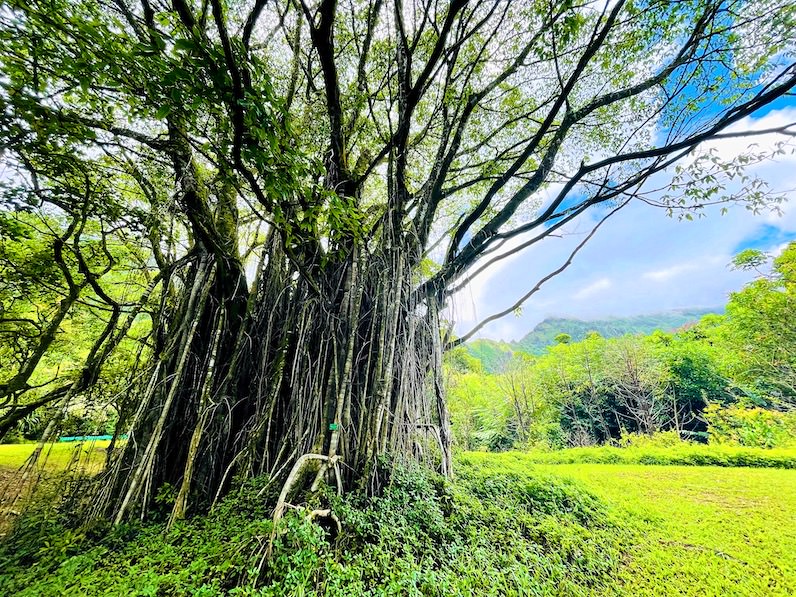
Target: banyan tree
(271, 202)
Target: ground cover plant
(495, 534)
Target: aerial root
(292, 478)
(327, 462)
(326, 514)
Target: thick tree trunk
(250, 381)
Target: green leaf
(184, 45)
(162, 112)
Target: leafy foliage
(593, 391)
(494, 356)
(758, 337)
(727, 378)
(751, 427)
(423, 535)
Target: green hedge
(685, 454)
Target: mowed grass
(16, 478)
(89, 454)
(694, 530)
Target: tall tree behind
(757, 333)
(316, 179)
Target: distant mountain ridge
(544, 334)
(495, 354)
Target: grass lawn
(59, 455)
(645, 530)
(695, 530)
(702, 530)
(88, 456)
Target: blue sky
(640, 261)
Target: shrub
(659, 439)
(756, 427)
(489, 533)
(685, 454)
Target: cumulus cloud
(672, 273)
(667, 273)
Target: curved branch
(538, 285)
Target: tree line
(725, 376)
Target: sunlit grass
(18, 477)
(702, 530)
(89, 454)
(694, 530)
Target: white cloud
(593, 288)
(727, 149)
(662, 275)
(670, 273)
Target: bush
(14, 437)
(488, 533)
(755, 427)
(660, 439)
(685, 454)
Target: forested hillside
(495, 355)
(546, 333)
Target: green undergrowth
(487, 534)
(685, 454)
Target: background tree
(595, 391)
(758, 334)
(636, 387)
(61, 318)
(692, 377)
(315, 179)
